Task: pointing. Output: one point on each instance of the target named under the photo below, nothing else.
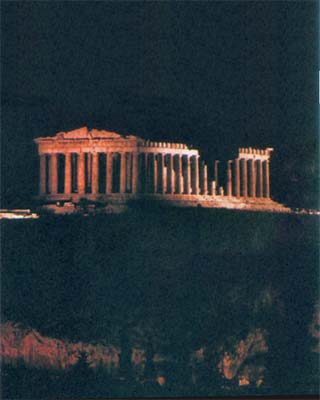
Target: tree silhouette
(79, 379)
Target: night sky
(218, 75)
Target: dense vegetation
(171, 281)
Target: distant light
(17, 214)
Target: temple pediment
(80, 133)
(96, 134)
(85, 134)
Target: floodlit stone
(74, 164)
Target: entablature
(249, 153)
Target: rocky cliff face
(239, 361)
(17, 343)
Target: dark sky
(217, 75)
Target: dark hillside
(184, 279)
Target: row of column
(152, 173)
(169, 173)
(251, 178)
(143, 172)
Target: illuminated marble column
(267, 179)
(81, 180)
(201, 173)
(205, 179)
(88, 177)
(196, 173)
(53, 173)
(155, 173)
(237, 172)
(122, 172)
(162, 173)
(109, 173)
(128, 172)
(42, 174)
(213, 189)
(188, 176)
(253, 178)
(67, 173)
(216, 172)
(134, 172)
(260, 178)
(146, 173)
(95, 173)
(170, 180)
(245, 178)
(229, 175)
(178, 176)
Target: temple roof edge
(86, 134)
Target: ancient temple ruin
(102, 166)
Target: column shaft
(260, 178)
(123, 173)
(170, 180)
(245, 178)
(213, 189)
(179, 173)
(81, 178)
(253, 180)
(109, 173)
(205, 179)
(216, 172)
(42, 174)
(95, 173)
(201, 175)
(267, 179)
(155, 173)
(134, 172)
(54, 173)
(162, 174)
(188, 176)
(67, 173)
(229, 184)
(237, 167)
(146, 173)
(196, 173)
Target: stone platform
(117, 202)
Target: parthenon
(101, 165)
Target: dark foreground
(174, 283)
